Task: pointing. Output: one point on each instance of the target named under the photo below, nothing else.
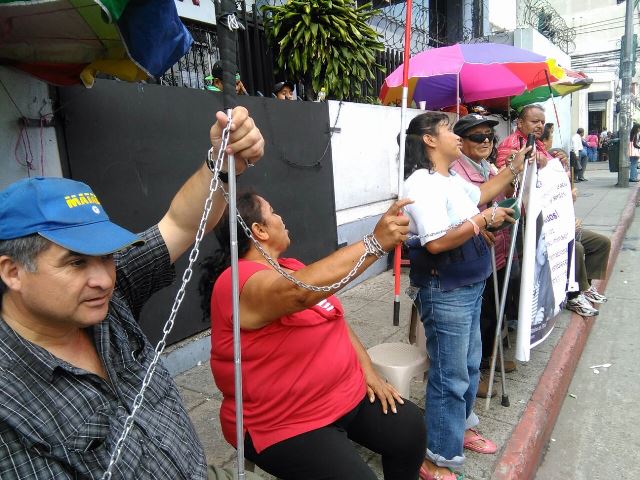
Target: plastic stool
(399, 363)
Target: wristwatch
(223, 177)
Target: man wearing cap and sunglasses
(72, 355)
(477, 137)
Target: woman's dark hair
(546, 133)
(493, 156)
(248, 206)
(633, 135)
(415, 153)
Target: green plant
(324, 43)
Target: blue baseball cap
(64, 211)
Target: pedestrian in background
(592, 146)
(283, 90)
(634, 152)
(578, 155)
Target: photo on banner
(548, 253)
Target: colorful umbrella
(66, 41)
(571, 82)
(445, 76)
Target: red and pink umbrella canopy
(472, 72)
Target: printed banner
(548, 254)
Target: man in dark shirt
(72, 355)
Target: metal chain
(372, 247)
(439, 233)
(276, 266)
(186, 277)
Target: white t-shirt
(439, 202)
(576, 142)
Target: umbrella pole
(505, 287)
(457, 96)
(555, 110)
(397, 260)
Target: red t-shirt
(516, 141)
(299, 373)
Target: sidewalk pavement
(520, 430)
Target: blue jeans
(452, 326)
(633, 168)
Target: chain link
(215, 167)
(276, 266)
(372, 247)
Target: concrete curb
(523, 452)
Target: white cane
(505, 285)
(505, 397)
(235, 295)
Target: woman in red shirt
(308, 384)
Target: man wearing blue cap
(72, 355)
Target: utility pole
(625, 103)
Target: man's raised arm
(180, 224)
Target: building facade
(598, 26)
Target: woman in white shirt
(449, 265)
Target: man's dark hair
(24, 251)
(523, 113)
(580, 131)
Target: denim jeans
(451, 321)
(633, 168)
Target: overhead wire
(23, 138)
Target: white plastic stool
(399, 363)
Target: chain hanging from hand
(215, 167)
(372, 247)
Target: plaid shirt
(60, 422)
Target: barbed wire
(429, 27)
(541, 15)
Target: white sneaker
(594, 296)
(581, 306)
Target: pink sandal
(427, 475)
(488, 447)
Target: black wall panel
(136, 144)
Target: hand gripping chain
(186, 276)
(372, 247)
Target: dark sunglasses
(480, 137)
